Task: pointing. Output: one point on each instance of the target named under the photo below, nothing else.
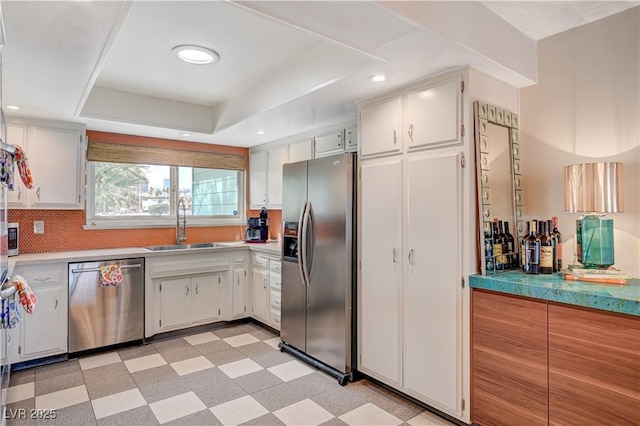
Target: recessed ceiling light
(186, 134)
(262, 132)
(377, 78)
(196, 54)
(16, 107)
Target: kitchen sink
(183, 246)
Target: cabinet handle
(264, 283)
(19, 193)
(197, 288)
(42, 279)
(276, 319)
(411, 256)
(277, 302)
(38, 193)
(394, 255)
(187, 287)
(238, 280)
(56, 306)
(395, 136)
(410, 132)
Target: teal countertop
(623, 299)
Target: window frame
(134, 221)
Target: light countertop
(271, 248)
(623, 299)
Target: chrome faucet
(183, 237)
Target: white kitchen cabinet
(56, 156)
(412, 248)
(380, 127)
(260, 294)
(188, 301)
(258, 179)
(381, 269)
(431, 115)
(301, 151)
(43, 333)
(240, 292)
(275, 298)
(329, 144)
(185, 290)
(276, 158)
(266, 177)
(17, 135)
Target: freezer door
(294, 289)
(330, 260)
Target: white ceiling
(286, 67)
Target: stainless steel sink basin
(183, 246)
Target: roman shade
(125, 153)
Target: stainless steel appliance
(318, 274)
(102, 316)
(258, 228)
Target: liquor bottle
(497, 246)
(523, 252)
(504, 259)
(488, 249)
(546, 249)
(532, 250)
(555, 244)
(558, 236)
(513, 257)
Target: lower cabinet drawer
(275, 300)
(274, 318)
(275, 282)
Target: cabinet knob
(187, 287)
(394, 255)
(410, 132)
(395, 136)
(411, 256)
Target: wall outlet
(38, 227)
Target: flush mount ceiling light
(262, 132)
(196, 54)
(14, 107)
(377, 78)
(186, 134)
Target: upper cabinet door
(380, 128)
(57, 162)
(276, 159)
(432, 115)
(301, 151)
(17, 135)
(330, 144)
(258, 180)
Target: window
(123, 195)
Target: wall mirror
(499, 187)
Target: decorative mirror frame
(484, 114)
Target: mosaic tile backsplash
(63, 232)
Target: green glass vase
(594, 235)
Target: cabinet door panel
(380, 128)
(175, 301)
(381, 272)
(258, 179)
(330, 144)
(260, 294)
(509, 360)
(277, 158)
(432, 292)
(594, 374)
(431, 116)
(205, 298)
(17, 135)
(44, 331)
(57, 167)
(239, 290)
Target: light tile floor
(229, 376)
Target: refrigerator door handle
(311, 226)
(304, 255)
(301, 243)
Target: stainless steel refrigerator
(318, 273)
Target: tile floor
(228, 376)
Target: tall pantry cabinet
(412, 244)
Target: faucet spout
(181, 237)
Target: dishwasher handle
(135, 266)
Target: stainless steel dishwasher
(102, 315)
